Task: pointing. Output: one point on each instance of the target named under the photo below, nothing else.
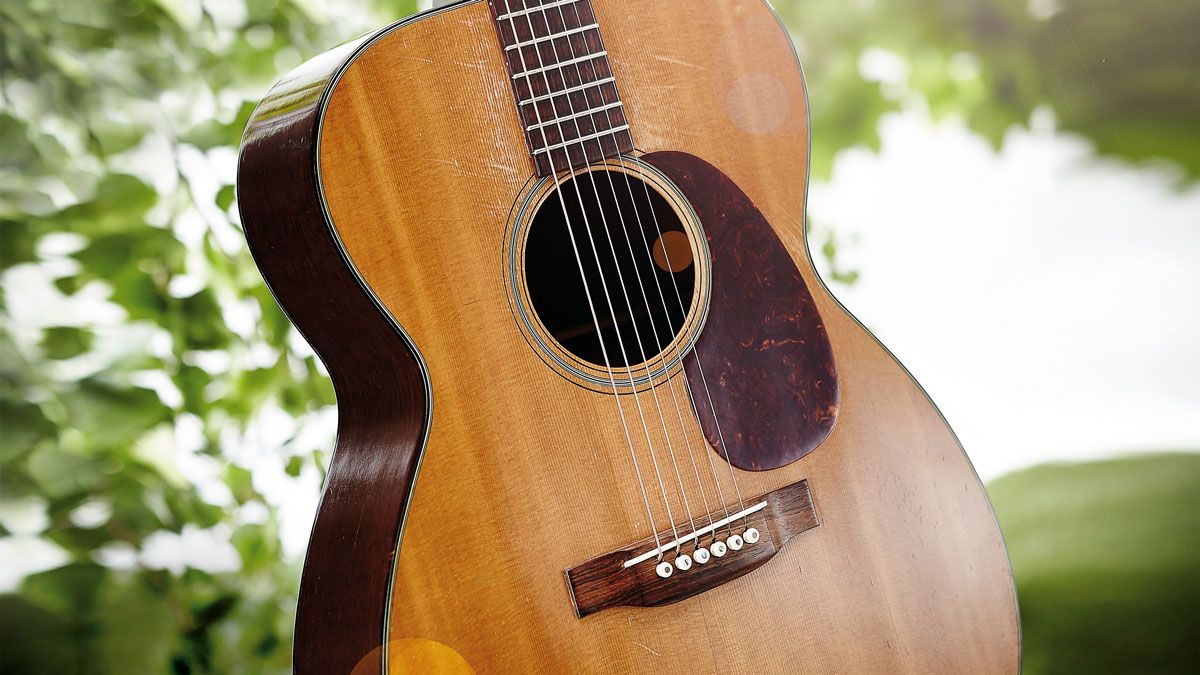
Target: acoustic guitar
(597, 411)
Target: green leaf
(66, 590)
(81, 619)
(17, 243)
(294, 465)
(201, 324)
(36, 639)
(58, 474)
(216, 610)
(112, 416)
(69, 285)
(240, 484)
(22, 425)
(256, 550)
(225, 197)
(119, 203)
(136, 628)
(64, 342)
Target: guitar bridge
(649, 574)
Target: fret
(590, 137)
(568, 90)
(522, 12)
(553, 36)
(560, 120)
(563, 64)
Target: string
(700, 367)
(682, 307)
(641, 348)
(612, 249)
(543, 69)
(587, 290)
(629, 304)
(577, 60)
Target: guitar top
(597, 411)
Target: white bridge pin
(751, 536)
(735, 542)
(718, 548)
(683, 562)
(664, 569)
(701, 555)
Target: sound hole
(635, 236)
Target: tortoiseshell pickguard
(764, 352)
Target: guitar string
(679, 296)
(670, 388)
(633, 201)
(703, 379)
(612, 249)
(708, 510)
(588, 295)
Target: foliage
(1106, 557)
(145, 369)
(1122, 73)
(138, 338)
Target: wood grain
(526, 473)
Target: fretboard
(566, 95)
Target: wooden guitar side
(382, 390)
(376, 186)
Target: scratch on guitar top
(468, 169)
(679, 62)
(502, 167)
(647, 649)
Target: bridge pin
(735, 542)
(751, 536)
(701, 555)
(718, 548)
(683, 562)
(664, 569)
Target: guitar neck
(564, 90)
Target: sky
(1048, 300)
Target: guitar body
(386, 190)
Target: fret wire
(559, 120)
(566, 33)
(538, 8)
(563, 64)
(568, 90)
(590, 137)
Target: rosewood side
(382, 393)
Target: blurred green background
(131, 408)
